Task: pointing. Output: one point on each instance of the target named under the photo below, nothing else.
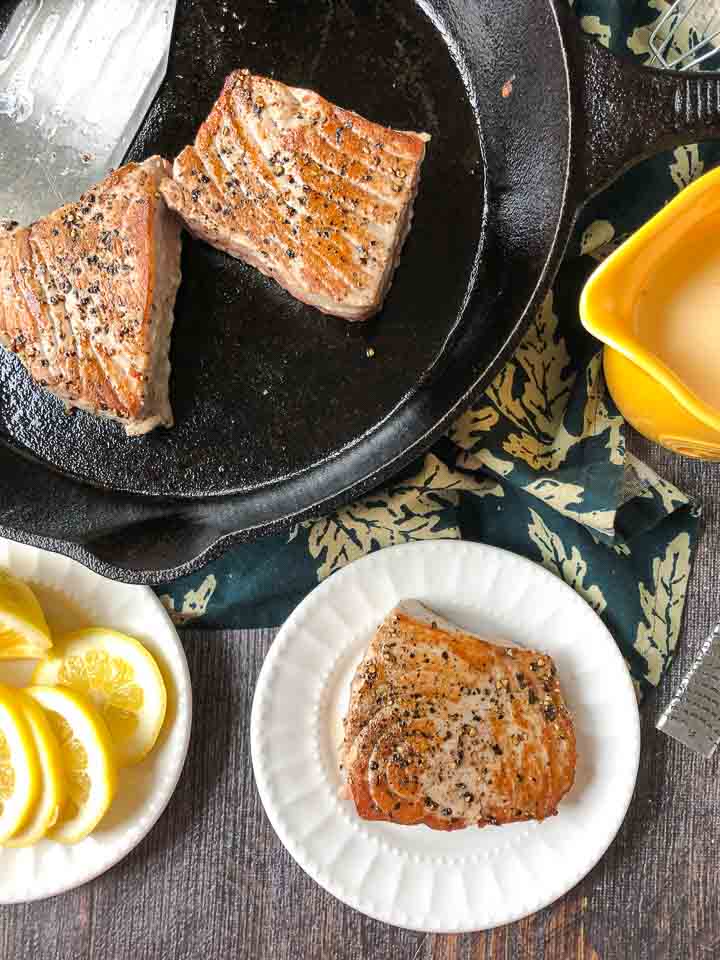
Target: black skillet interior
(264, 387)
(272, 399)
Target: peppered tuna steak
(87, 297)
(450, 730)
(310, 194)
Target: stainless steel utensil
(76, 80)
(687, 34)
(693, 716)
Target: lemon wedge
(88, 762)
(121, 678)
(52, 781)
(22, 622)
(19, 770)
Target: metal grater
(693, 715)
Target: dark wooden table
(212, 880)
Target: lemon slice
(52, 782)
(87, 757)
(23, 652)
(19, 770)
(22, 622)
(121, 678)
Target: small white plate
(73, 597)
(414, 877)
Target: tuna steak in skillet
(87, 297)
(310, 194)
(450, 730)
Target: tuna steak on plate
(447, 729)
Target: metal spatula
(76, 80)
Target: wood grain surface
(212, 880)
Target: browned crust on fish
(313, 195)
(87, 296)
(450, 730)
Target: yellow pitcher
(655, 303)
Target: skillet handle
(625, 112)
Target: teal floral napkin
(538, 466)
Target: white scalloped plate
(73, 597)
(412, 876)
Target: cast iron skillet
(281, 414)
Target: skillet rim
(356, 488)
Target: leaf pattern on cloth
(620, 548)
(466, 431)
(531, 393)
(593, 27)
(569, 566)
(685, 31)
(687, 165)
(564, 496)
(598, 417)
(532, 390)
(413, 510)
(639, 40)
(548, 451)
(596, 240)
(662, 605)
(194, 603)
(537, 466)
(651, 485)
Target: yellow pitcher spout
(655, 304)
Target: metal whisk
(701, 20)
